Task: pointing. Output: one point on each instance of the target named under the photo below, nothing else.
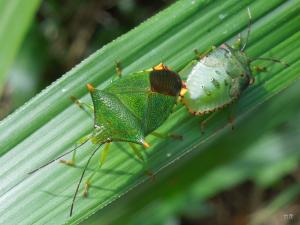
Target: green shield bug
(218, 78)
(128, 110)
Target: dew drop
(222, 16)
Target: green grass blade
(49, 124)
(15, 19)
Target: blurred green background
(261, 185)
(62, 34)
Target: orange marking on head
(160, 66)
(90, 87)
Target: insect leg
(237, 43)
(258, 69)
(187, 69)
(89, 109)
(136, 151)
(69, 162)
(166, 136)
(118, 70)
(81, 141)
(204, 54)
(205, 121)
(231, 111)
(103, 156)
(148, 172)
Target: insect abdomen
(208, 85)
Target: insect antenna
(81, 177)
(249, 30)
(51, 161)
(270, 59)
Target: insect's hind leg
(167, 136)
(231, 109)
(136, 151)
(87, 108)
(230, 117)
(204, 122)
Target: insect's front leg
(118, 70)
(237, 44)
(203, 54)
(256, 70)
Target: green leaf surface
(15, 19)
(49, 124)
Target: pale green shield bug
(127, 110)
(219, 77)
